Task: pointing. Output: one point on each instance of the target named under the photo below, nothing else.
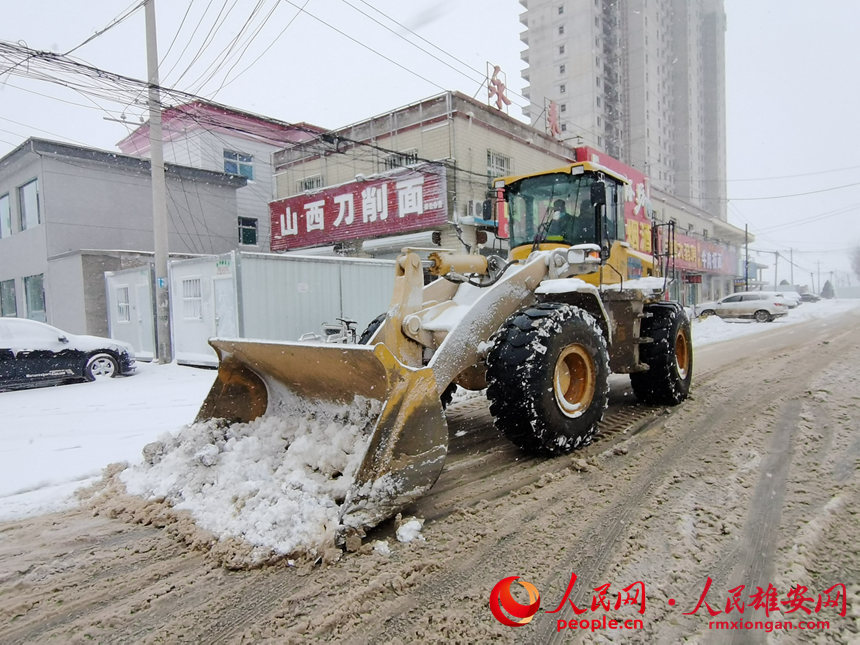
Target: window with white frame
(192, 299)
(123, 306)
(34, 296)
(237, 163)
(248, 231)
(8, 306)
(28, 205)
(498, 165)
(309, 183)
(5, 216)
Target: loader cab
(574, 205)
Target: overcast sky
(793, 98)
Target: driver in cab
(567, 228)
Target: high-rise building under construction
(643, 80)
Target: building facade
(643, 80)
(223, 139)
(355, 191)
(58, 199)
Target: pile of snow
(277, 483)
(714, 329)
(410, 530)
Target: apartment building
(643, 80)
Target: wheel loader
(541, 330)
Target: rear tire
(669, 357)
(706, 313)
(763, 316)
(547, 376)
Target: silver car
(763, 306)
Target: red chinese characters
(797, 599)
(633, 594)
(407, 200)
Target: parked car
(33, 353)
(763, 306)
(792, 297)
(809, 297)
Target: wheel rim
(574, 380)
(102, 366)
(761, 316)
(682, 354)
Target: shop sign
(406, 200)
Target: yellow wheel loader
(541, 330)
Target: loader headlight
(583, 254)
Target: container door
(226, 320)
(145, 320)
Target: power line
(811, 192)
(432, 55)
(368, 47)
(110, 26)
(812, 218)
(805, 174)
(225, 83)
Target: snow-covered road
(57, 439)
(751, 483)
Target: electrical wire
(365, 46)
(253, 62)
(811, 192)
(110, 26)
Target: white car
(792, 297)
(763, 306)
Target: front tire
(763, 316)
(101, 366)
(669, 357)
(547, 376)
(371, 328)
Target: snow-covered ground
(57, 439)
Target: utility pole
(164, 345)
(775, 269)
(791, 264)
(747, 257)
(819, 275)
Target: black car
(34, 353)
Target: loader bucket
(408, 439)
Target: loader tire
(371, 328)
(669, 357)
(547, 376)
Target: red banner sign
(406, 200)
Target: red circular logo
(501, 598)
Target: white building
(224, 139)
